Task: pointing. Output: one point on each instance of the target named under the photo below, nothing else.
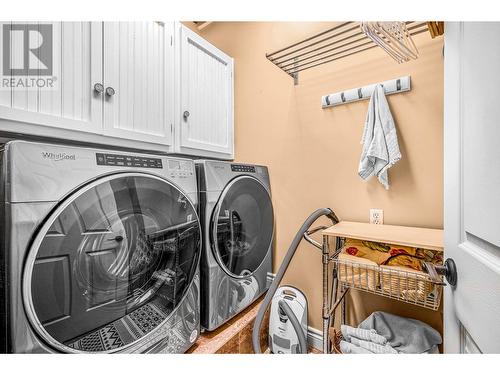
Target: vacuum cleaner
(286, 312)
(288, 321)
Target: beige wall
(313, 154)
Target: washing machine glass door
(242, 226)
(111, 263)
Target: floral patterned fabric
(392, 255)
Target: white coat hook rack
(392, 86)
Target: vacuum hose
(328, 212)
(296, 326)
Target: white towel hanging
(380, 141)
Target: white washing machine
(100, 251)
(238, 230)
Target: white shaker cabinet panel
(205, 121)
(138, 80)
(5, 95)
(22, 98)
(128, 84)
(72, 103)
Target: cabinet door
(138, 66)
(71, 102)
(206, 100)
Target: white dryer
(238, 231)
(100, 251)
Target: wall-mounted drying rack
(342, 40)
(392, 86)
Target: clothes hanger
(389, 42)
(391, 30)
(393, 37)
(401, 30)
(371, 31)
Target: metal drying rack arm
(342, 40)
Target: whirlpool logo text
(58, 156)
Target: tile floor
(235, 336)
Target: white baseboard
(315, 338)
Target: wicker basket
(358, 272)
(405, 283)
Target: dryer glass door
(242, 227)
(111, 263)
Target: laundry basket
(406, 283)
(400, 283)
(362, 273)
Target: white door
(205, 118)
(139, 68)
(71, 102)
(472, 180)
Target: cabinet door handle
(98, 88)
(110, 91)
(185, 115)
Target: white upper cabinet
(76, 66)
(205, 119)
(139, 80)
(126, 84)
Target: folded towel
(380, 141)
(372, 347)
(349, 332)
(348, 348)
(403, 334)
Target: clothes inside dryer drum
(115, 262)
(244, 226)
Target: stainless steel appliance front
(103, 251)
(238, 229)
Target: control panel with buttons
(242, 168)
(121, 160)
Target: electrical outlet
(376, 216)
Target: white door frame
(452, 175)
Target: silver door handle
(98, 88)
(110, 91)
(448, 270)
(185, 115)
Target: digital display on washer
(121, 160)
(242, 168)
